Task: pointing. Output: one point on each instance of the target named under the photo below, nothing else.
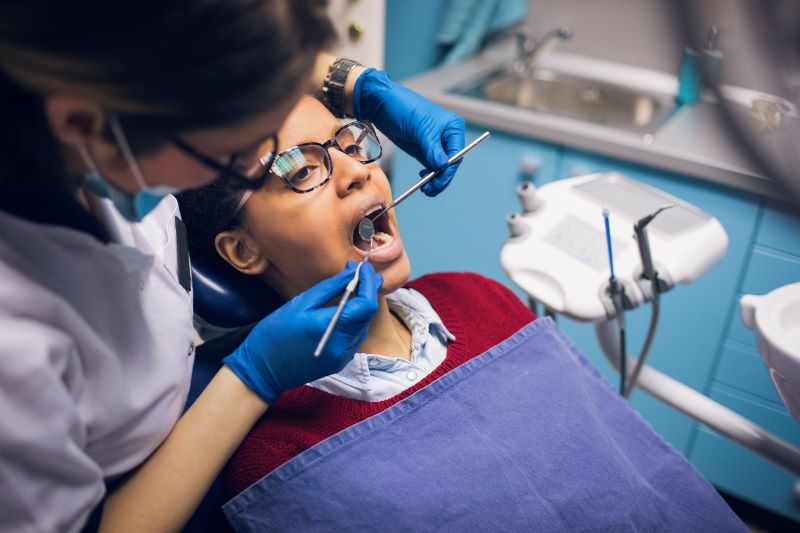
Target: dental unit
(559, 253)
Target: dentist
(106, 109)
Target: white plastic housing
(775, 318)
(562, 260)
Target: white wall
(643, 33)
(370, 16)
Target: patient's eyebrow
(322, 138)
(331, 133)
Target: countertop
(691, 142)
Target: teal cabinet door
(779, 228)
(694, 318)
(410, 40)
(737, 470)
(464, 227)
(742, 382)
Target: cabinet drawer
(770, 269)
(742, 367)
(733, 468)
(780, 229)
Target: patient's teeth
(373, 210)
(382, 238)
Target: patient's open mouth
(383, 232)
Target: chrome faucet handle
(525, 47)
(550, 40)
(525, 43)
(529, 50)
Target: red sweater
(478, 311)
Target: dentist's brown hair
(163, 66)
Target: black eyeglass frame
(325, 146)
(227, 172)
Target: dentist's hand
(425, 130)
(278, 353)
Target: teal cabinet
(779, 228)
(741, 472)
(741, 380)
(411, 27)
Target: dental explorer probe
(348, 291)
(366, 226)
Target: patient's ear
(240, 252)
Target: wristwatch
(333, 85)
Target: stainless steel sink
(547, 91)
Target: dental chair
(226, 300)
(227, 304)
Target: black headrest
(226, 299)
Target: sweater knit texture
(480, 312)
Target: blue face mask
(133, 207)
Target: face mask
(133, 207)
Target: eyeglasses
(308, 166)
(252, 178)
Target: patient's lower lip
(390, 251)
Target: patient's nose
(348, 174)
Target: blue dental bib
(525, 437)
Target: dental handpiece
(414, 188)
(348, 291)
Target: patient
(299, 229)
(528, 436)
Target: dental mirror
(366, 229)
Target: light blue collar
(429, 338)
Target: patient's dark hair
(163, 66)
(207, 212)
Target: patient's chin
(395, 276)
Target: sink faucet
(529, 51)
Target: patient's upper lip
(364, 206)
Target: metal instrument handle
(429, 176)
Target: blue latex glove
(279, 353)
(430, 133)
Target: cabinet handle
(529, 166)
(355, 31)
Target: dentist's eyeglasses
(308, 166)
(238, 172)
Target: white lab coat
(96, 352)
